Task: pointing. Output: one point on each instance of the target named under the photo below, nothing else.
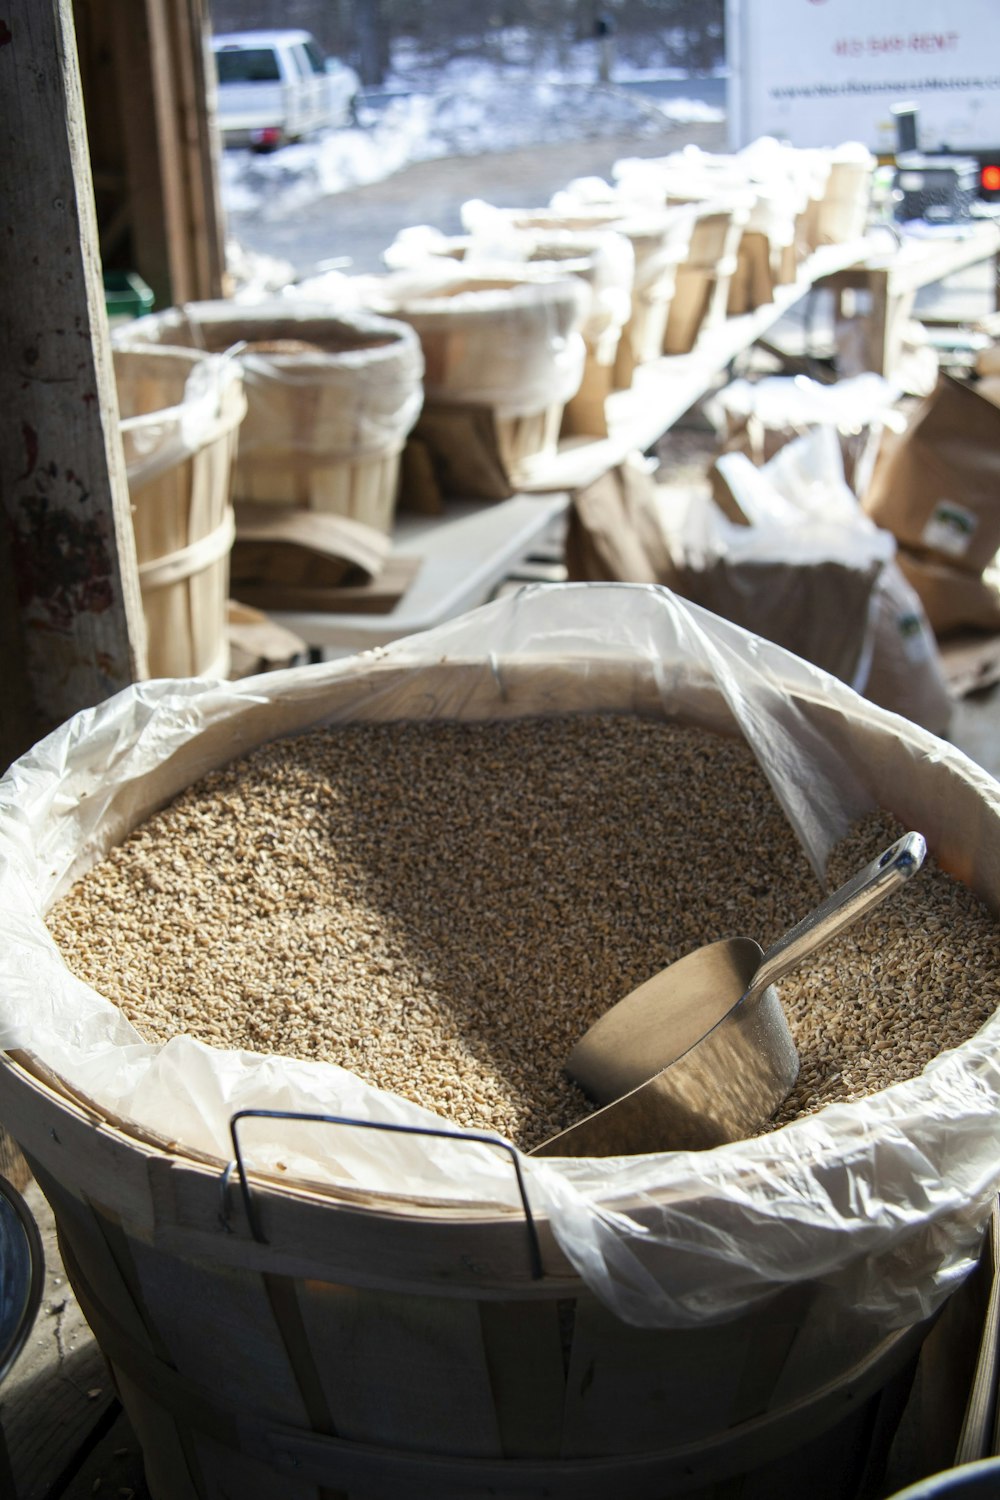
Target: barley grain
(444, 908)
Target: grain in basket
(444, 908)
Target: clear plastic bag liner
(603, 259)
(492, 340)
(882, 1200)
(157, 441)
(779, 532)
(796, 401)
(418, 243)
(804, 485)
(361, 374)
(800, 512)
(659, 235)
(766, 186)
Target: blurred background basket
(331, 398)
(180, 418)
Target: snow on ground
(469, 106)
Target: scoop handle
(850, 901)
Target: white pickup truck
(276, 86)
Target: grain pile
(444, 908)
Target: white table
(465, 554)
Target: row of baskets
(531, 318)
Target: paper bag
(937, 486)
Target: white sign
(821, 72)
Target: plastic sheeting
(603, 259)
(767, 179)
(882, 1200)
(796, 403)
(803, 567)
(490, 339)
(197, 393)
(660, 236)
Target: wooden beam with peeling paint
(74, 633)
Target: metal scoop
(701, 1053)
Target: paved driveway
(361, 222)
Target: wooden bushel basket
(597, 261)
(331, 397)
(843, 211)
(181, 508)
(701, 295)
(700, 303)
(753, 281)
(313, 447)
(384, 1349)
(563, 253)
(657, 259)
(274, 1339)
(500, 342)
(660, 238)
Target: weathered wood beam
(182, 91)
(77, 634)
(149, 86)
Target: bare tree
(372, 41)
(687, 33)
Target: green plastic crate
(126, 295)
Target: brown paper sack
(821, 611)
(937, 487)
(953, 600)
(906, 674)
(613, 535)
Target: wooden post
(149, 88)
(77, 634)
(182, 91)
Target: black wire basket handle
(238, 1166)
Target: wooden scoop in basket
(701, 1053)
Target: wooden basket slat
(786, 260)
(689, 309)
(710, 238)
(843, 210)
(623, 1391)
(523, 438)
(234, 1311)
(586, 413)
(523, 1343)
(169, 1457)
(391, 1399)
(719, 297)
(189, 500)
(765, 1356)
(645, 332)
(363, 488)
(331, 487)
(81, 1229)
(830, 1467)
(227, 1474)
(207, 598)
(753, 281)
(117, 1172)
